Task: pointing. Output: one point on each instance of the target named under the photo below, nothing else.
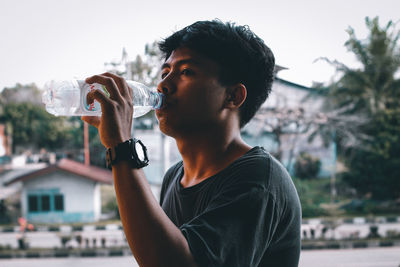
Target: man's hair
(241, 55)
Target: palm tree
(371, 93)
(371, 87)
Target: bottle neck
(157, 99)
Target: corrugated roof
(292, 84)
(89, 172)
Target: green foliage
(97, 150)
(4, 213)
(75, 145)
(376, 170)
(360, 207)
(32, 126)
(372, 88)
(371, 91)
(312, 194)
(21, 94)
(111, 206)
(307, 166)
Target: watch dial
(139, 151)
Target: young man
(226, 203)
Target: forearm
(152, 237)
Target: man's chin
(166, 130)
(163, 125)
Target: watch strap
(126, 151)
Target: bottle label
(95, 106)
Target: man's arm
(152, 237)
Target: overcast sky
(42, 40)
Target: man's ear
(235, 95)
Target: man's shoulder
(255, 159)
(260, 167)
(253, 167)
(262, 160)
(172, 172)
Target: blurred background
(333, 120)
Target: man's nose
(166, 86)
(163, 89)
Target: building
(293, 108)
(5, 142)
(64, 192)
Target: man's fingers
(105, 102)
(108, 82)
(122, 85)
(92, 120)
(98, 95)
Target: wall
(290, 96)
(81, 198)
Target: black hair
(241, 55)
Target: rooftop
(89, 172)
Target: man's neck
(206, 156)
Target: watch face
(139, 151)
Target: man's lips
(167, 103)
(164, 106)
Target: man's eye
(163, 75)
(186, 72)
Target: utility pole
(86, 143)
(333, 172)
(125, 62)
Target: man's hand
(115, 123)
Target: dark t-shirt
(246, 215)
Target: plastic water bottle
(68, 98)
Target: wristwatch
(132, 150)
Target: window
(33, 203)
(45, 199)
(59, 202)
(45, 202)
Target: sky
(42, 40)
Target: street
(368, 257)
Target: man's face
(194, 96)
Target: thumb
(92, 120)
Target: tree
(74, 146)
(376, 169)
(145, 69)
(29, 124)
(371, 92)
(20, 94)
(282, 123)
(34, 128)
(306, 166)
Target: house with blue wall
(64, 192)
(289, 97)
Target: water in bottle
(68, 98)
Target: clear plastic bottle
(68, 98)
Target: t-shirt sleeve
(235, 230)
(167, 180)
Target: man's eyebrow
(181, 62)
